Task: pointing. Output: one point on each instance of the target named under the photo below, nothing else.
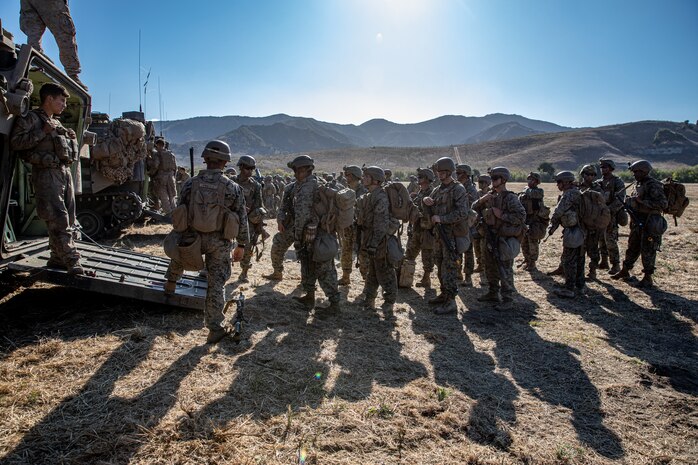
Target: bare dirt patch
(609, 378)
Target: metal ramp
(116, 271)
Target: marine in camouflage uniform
(215, 248)
(352, 175)
(503, 216)
(253, 202)
(269, 195)
(591, 239)
(162, 165)
(464, 174)
(647, 226)
(283, 239)
(532, 200)
(483, 183)
(35, 137)
(413, 187)
(36, 15)
(305, 197)
(420, 237)
(180, 178)
(376, 226)
(448, 207)
(568, 206)
(614, 194)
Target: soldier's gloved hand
(310, 233)
(371, 251)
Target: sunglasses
(245, 167)
(495, 177)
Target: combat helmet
(376, 173)
(607, 162)
(500, 171)
(534, 175)
(484, 178)
(465, 168)
(641, 165)
(565, 176)
(445, 164)
(217, 150)
(246, 160)
(588, 169)
(300, 161)
(427, 173)
(267, 178)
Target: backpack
(676, 196)
(206, 205)
(336, 208)
(594, 213)
(401, 205)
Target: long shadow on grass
(547, 370)
(458, 365)
(666, 343)
(94, 425)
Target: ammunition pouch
(569, 219)
(65, 148)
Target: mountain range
(510, 140)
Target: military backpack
(594, 214)
(676, 197)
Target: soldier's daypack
(594, 214)
(336, 208)
(676, 196)
(401, 205)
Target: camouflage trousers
(642, 245)
(346, 257)
(530, 248)
(216, 252)
(478, 244)
(447, 269)
(323, 272)
(497, 278)
(573, 265)
(280, 244)
(608, 243)
(36, 15)
(55, 204)
(415, 246)
(246, 262)
(591, 246)
(165, 191)
(469, 260)
(380, 272)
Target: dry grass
(611, 378)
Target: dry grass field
(610, 378)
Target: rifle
(550, 233)
(492, 244)
(239, 316)
(447, 241)
(358, 244)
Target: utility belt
(47, 160)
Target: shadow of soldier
(458, 365)
(548, 371)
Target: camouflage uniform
(283, 240)
(469, 262)
(532, 200)
(53, 184)
(421, 236)
(348, 238)
(640, 244)
(161, 168)
(591, 239)
(614, 194)
(269, 196)
(253, 200)
(513, 215)
(479, 243)
(451, 205)
(375, 224)
(572, 258)
(305, 196)
(36, 15)
(216, 249)
(180, 178)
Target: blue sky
(575, 63)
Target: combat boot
(491, 296)
(467, 282)
(77, 80)
(564, 293)
(215, 335)
(331, 310)
(592, 272)
(243, 276)
(425, 282)
(604, 263)
(645, 282)
(507, 303)
(479, 268)
(55, 263)
(308, 299)
(531, 267)
(559, 271)
(275, 276)
(170, 287)
(450, 306)
(368, 304)
(76, 269)
(622, 274)
(345, 280)
(439, 299)
(615, 268)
